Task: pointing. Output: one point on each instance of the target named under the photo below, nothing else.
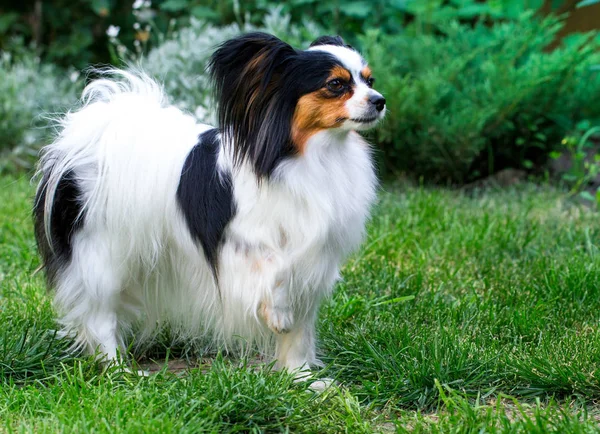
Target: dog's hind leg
(88, 293)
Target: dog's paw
(315, 385)
(137, 372)
(279, 319)
(321, 385)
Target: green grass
(460, 314)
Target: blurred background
(478, 92)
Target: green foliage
(30, 93)
(436, 13)
(356, 17)
(78, 33)
(75, 33)
(470, 86)
(474, 99)
(347, 18)
(583, 157)
(587, 3)
(65, 32)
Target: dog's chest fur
(315, 214)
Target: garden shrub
(468, 101)
(465, 98)
(74, 33)
(30, 93)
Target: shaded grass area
(460, 313)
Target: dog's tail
(98, 138)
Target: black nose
(378, 101)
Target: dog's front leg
(258, 276)
(275, 309)
(294, 331)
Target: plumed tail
(82, 145)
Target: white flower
(113, 31)
(147, 3)
(138, 4)
(74, 76)
(144, 15)
(136, 26)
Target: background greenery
(473, 87)
(463, 312)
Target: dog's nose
(378, 101)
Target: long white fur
(134, 261)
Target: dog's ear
(252, 54)
(329, 40)
(246, 72)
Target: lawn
(460, 313)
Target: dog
(230, 235)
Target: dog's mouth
(365, 120)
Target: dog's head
(272, 98)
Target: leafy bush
(577, 162)
(65, 32)
(356, 17)
(30, 92)
(77, 33)
(180, 61)
(468, 101)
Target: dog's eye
(335, 85)
(370, 81)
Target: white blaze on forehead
(351, 60)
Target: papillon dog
(229, 235)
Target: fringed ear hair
(330, 40)
(253, 113)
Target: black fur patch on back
(66, 219)
(205, 196)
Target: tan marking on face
(366, 72)
(320, 110)
(341, 73)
